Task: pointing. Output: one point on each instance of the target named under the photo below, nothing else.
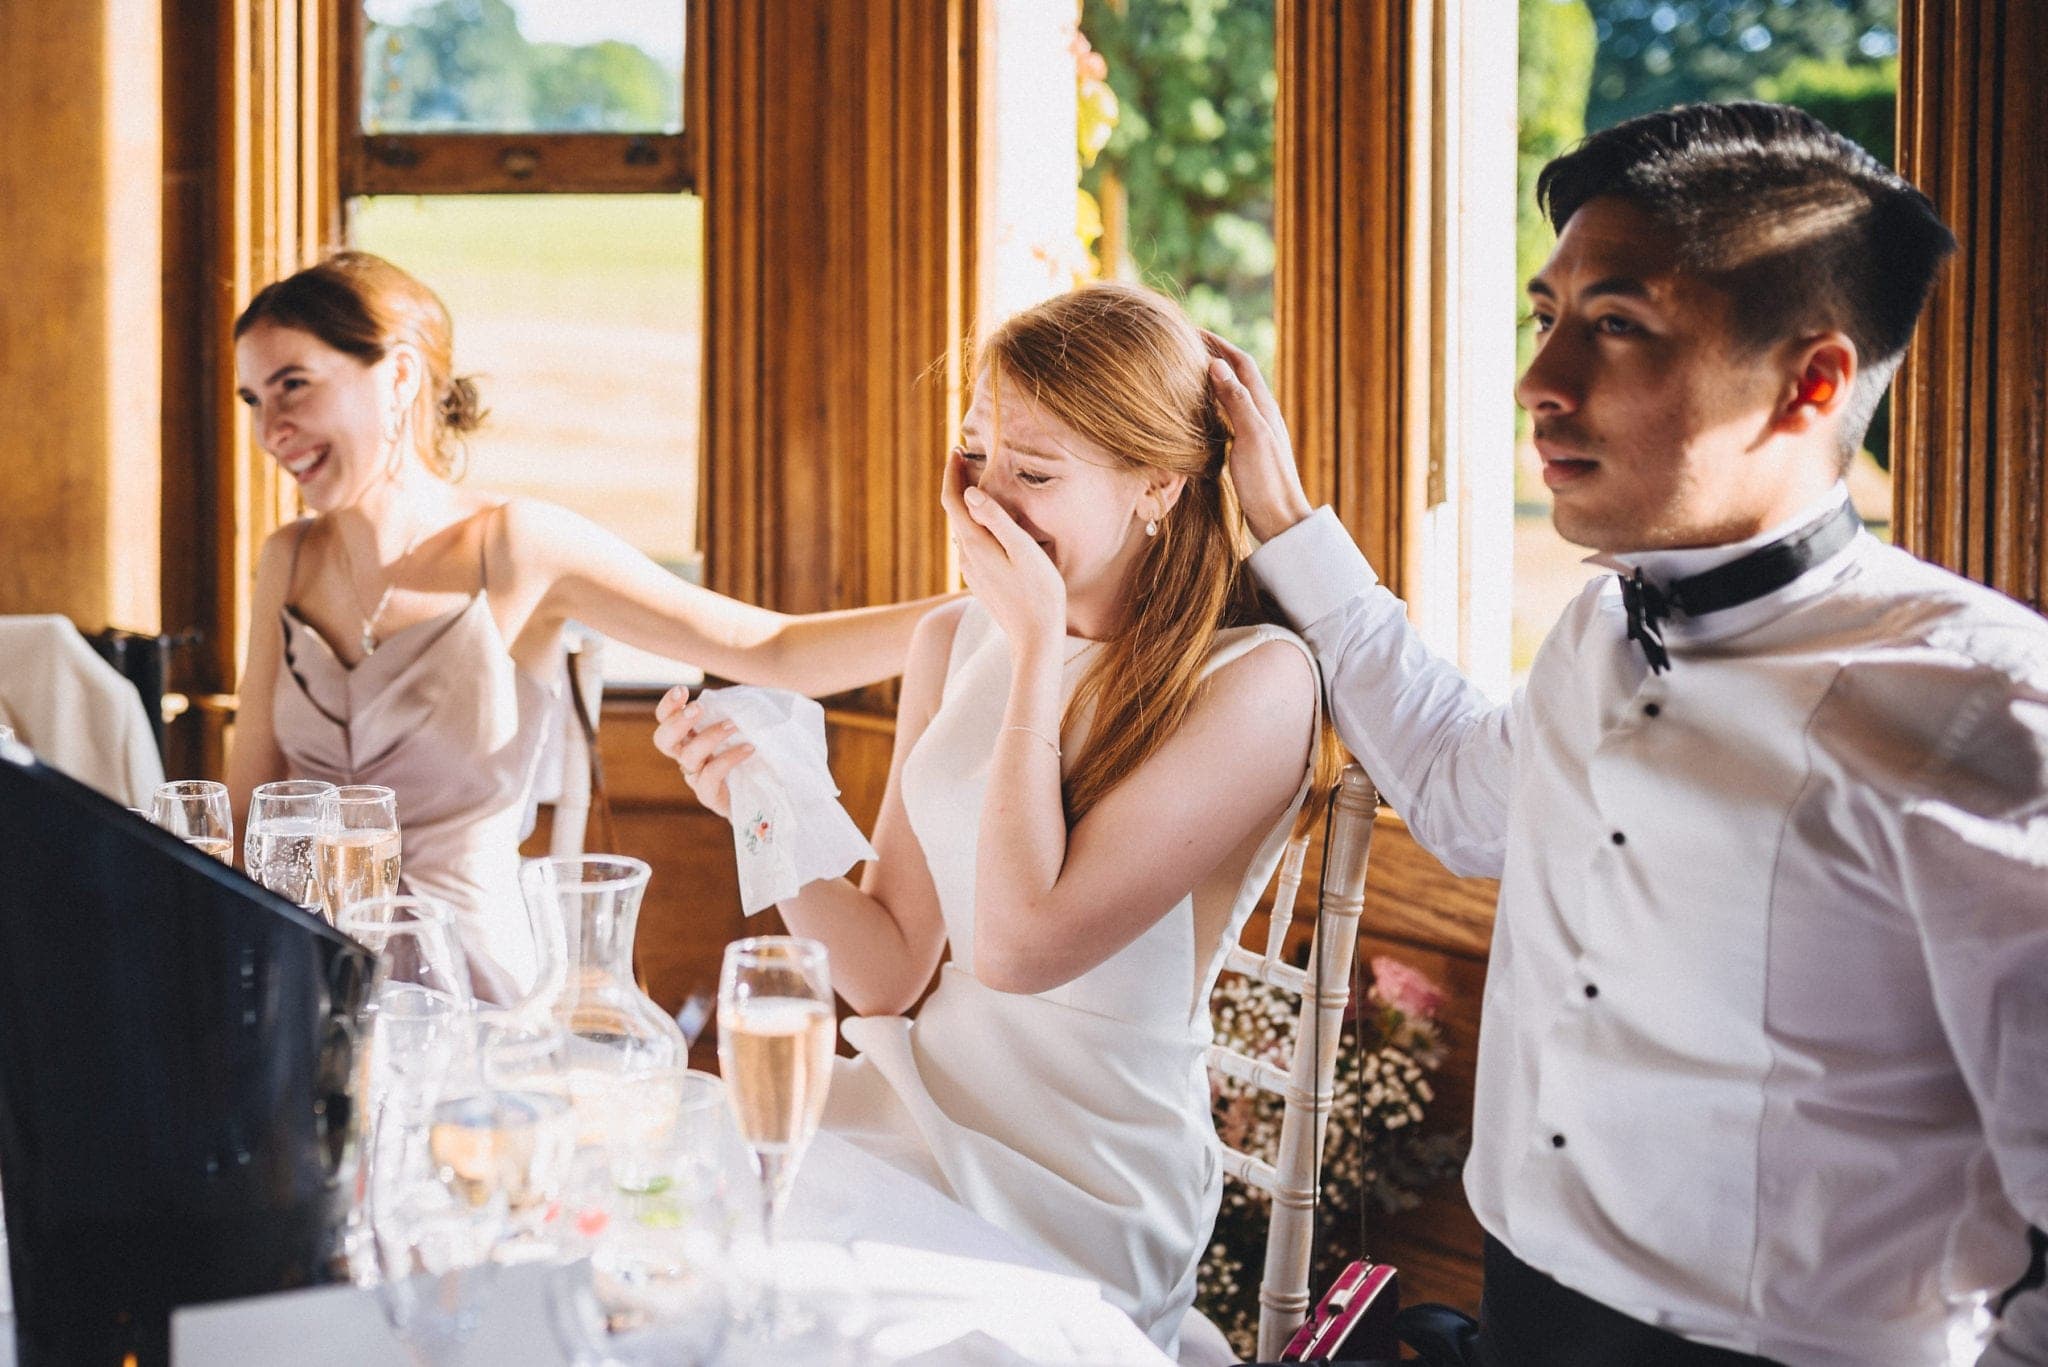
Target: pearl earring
(1152, 527)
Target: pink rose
(1406, 989)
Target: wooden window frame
(1387, 182)
(505, 162)
(1970, 431)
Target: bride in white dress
(1097, 761)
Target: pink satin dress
(440, 714)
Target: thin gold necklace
(369, 636)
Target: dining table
(941, 1287)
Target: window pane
(1184, 182)
(1589, 64)
(581, 318)
(527, 66)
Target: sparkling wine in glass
(355, 849)
(277, 849)
(484, 1144)
(197, 812)
(775, 1050)
(523, 1063)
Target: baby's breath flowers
(1390, 1075)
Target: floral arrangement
(1391, 1045)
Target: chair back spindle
(1292, 1177)
(581, 710)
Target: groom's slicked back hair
(1803, 229)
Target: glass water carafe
(625, 1054)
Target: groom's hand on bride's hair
(1261, 456)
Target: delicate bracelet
(1034, 731)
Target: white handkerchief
(788, 828)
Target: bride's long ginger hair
(1124, 368)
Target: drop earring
(1152, 527)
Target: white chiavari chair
(1293, 1175)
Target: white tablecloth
(953, 1288)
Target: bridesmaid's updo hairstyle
(1124, 368)
(362, 306)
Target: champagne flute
(277, 851)
(355, 850)
(197, 812)
(775, 1051)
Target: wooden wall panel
(1342, 201)
(250, 195)
(1970, 444)
(836, 174)
(81, 232)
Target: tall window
(526, 159)
(1587, 65)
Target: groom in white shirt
(1763, 1062)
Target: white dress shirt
(1764, 1050)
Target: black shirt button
(1618, 838)
(1651, 709)
(1592, 990)
(1557, 1141)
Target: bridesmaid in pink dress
(407, 631)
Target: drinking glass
(435, 1272)
(639, 1300)
(775, 1050)
(355, 849)
(419, 1004)
(433, 1204)
(656, 1285)
(277, 850)
(523, 1062)
(436, 1213)
(197, 812)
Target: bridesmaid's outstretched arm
(569, 567)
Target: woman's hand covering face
(1008, 571)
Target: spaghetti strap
(483, 543)
(291, 574)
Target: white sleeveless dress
(1077, 1119)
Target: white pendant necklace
(376, 615)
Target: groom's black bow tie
(1764, 570)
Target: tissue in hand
(787, 825)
